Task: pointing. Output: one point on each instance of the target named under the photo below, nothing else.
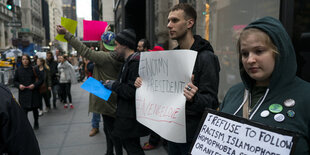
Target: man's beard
(180, 36)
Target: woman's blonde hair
(44, 63)
(263, 36)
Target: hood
(134, 57)
(201, 44)
(285, 63)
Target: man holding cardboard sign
(201, 92)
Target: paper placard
(221, 133)
(70, 25)
(92, 29)
(95, 87)
(160, 102)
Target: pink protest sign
(93, 29)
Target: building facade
(80, 28)
(32, 30)
(6, 16)
(46, 21)
(96, 9)
(107, 12)
(69, 9)
(55, 14)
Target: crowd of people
(267, 68)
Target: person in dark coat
(16, 134)
(126, 127)
(52, 64)
(28, 86)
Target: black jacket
(206, 78)
(16, 134)
(126, 125)
(27, 98)
(53, 71)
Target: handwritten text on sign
(220, 135)
(160, 102)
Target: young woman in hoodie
(270, 93)
(67, 77)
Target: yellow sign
(70, 25)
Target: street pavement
(66, 132)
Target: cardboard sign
(221, 133)
(93, 29)
(70, 25)
(97, 88)
(160, 102)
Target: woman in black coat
(28, 94)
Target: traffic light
(9, 4)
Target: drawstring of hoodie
(246, 94)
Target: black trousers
(65, 92)
(178, 148)
(154, 139)
(55, 89)
(35, 114)
(47, 101)
(132, 146)
(112, 141)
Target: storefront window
(222, 22)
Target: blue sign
(97, 88)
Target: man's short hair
(189, 11)
(49, 52)
(146, 44)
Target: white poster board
(222, 133)
(160, 102)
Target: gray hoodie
(66, 73)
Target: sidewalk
(66, 132)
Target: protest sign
(160, 102)
(93, 29)
(97, 88)
(221, 133)
(70, 25)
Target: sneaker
(40, 113)
(71, 106)
(93, 132)
(47, 109)
(66, 106)
(148, 146)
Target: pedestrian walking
(67, 77)
(126, 125)
(16, 134)
(46, 87)
(267, 63)
(28, 81)
(52, 64)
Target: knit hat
(108, 40)
(127, 37)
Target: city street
(65, 132)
